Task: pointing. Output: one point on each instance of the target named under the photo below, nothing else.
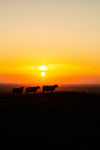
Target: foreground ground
(62, 117)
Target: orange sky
(62, 35)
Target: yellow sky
(64, 34)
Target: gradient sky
(61, 34)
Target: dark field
(52, 118)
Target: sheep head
(38, 87)
(22, 88)
(56, 86)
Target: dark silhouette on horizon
(17, 90)
(32, 89)
(49, 88)
(45, 88)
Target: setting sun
(42, 74)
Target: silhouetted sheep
(18, 90)
(32, 89)
(49, 88)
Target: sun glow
(43, 68)
(42, 74)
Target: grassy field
(59, 117)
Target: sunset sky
(61, 35)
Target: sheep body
(32, 89)
(49, 88)
(17, 90)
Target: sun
(42, 74)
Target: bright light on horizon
(43, 68)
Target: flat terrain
(60, 117)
